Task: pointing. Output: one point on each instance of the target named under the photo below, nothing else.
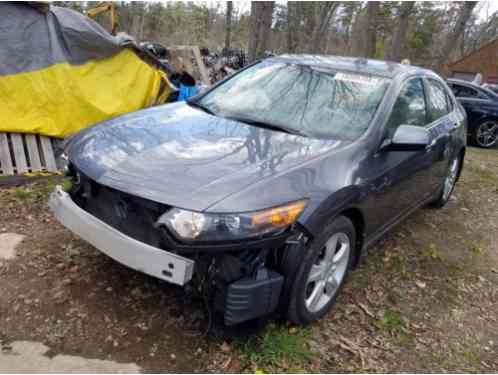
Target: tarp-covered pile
(60, 72)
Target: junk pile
(60, 72)
(222, 64)
(157, 50)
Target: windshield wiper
(202, 107)
(266, 125)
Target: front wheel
(323, 271)
(448, 183)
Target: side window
(437, 100)
(483, 95)
(409, 108)
(464, 91)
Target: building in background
(483, 60)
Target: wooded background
(429, 34)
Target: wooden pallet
(22, 153)
(187, 53)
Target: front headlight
(191, 225)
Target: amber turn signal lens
(279, 217)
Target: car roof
(381, 68)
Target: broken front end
(236, 261)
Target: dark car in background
(481, 105)
(265, 190)
(491, 86)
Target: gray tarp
(31, 39)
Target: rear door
(442, 127)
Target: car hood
(184, 157)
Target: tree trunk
(292, 26)
(142, 22)
(452, 37)
(462, 45)
(260, 28)
(324, 13)
(356, 39)
(267, 16)
(371, 29)
(399, 36)
(228, 24)
(254, 29)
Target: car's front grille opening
(131, 215)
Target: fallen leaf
(225, 348)
(420, 284)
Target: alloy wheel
(450, 180)
(487, 134)
(328, 271)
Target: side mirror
(408, 138)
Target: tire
(448, 184)
(485, 135)
(322, 255)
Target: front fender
(321, 212)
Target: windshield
(321, 104)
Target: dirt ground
(424, 300)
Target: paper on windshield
(358, 78)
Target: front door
(400, 180)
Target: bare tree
(228, 23)
(478, 32)
(450, 42)
(348, 15)
(371, 29)
(260, 27)
(399, 35)
(324, 11)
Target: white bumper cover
(126, 250)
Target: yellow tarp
(63, 98)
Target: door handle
(431, 145)
(384, 184)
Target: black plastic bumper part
(250, 297)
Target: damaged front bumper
(242, 279)
(122, 248)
